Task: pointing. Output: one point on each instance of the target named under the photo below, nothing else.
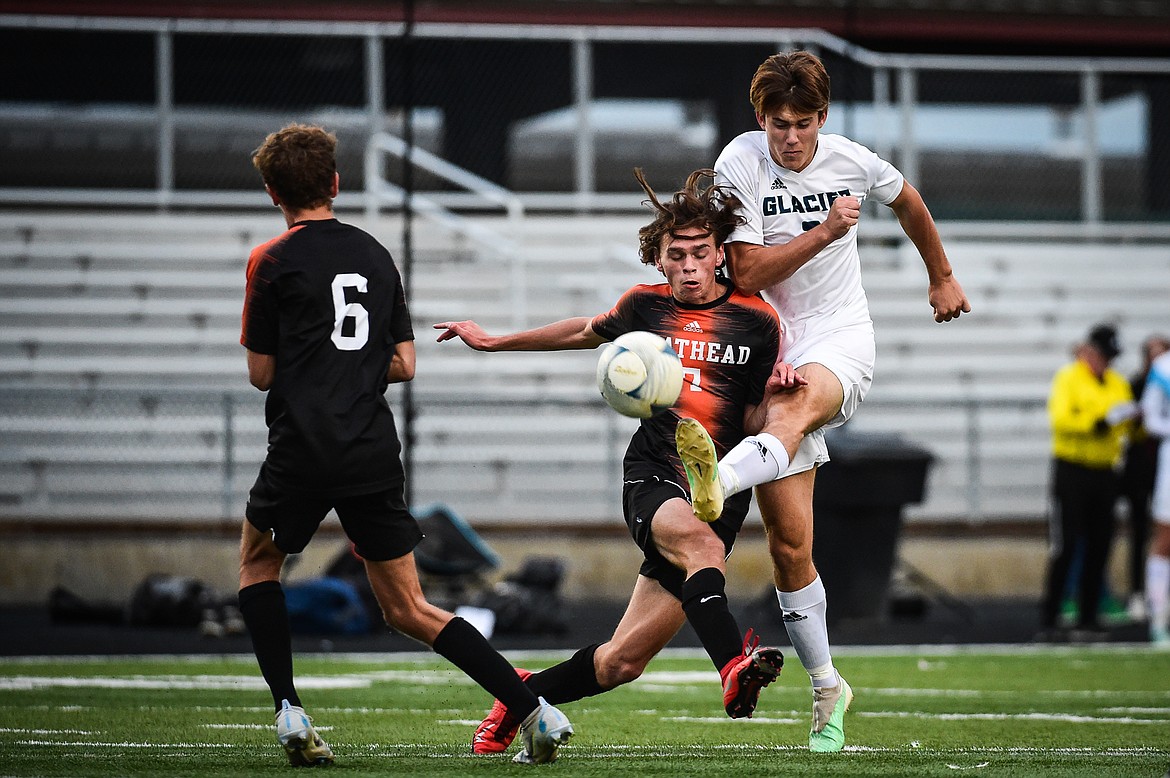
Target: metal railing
(381, 193)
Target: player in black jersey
(682, 577)
(326, 329)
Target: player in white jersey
(802, 193)
(1156, 419)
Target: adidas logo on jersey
(778, 184)
(693, 327)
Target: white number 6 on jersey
(355, 311)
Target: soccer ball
(639, 374)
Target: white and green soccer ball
(639, 374)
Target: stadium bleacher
(120, 367)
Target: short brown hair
(796, 80)
(299, 163)
(710, 208)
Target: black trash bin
(857, 509)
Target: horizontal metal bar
(607, 34)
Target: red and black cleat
(497, 731)
(745, 677)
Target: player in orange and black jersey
(728, 343)
(326, 329)
(724, 346)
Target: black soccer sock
(571, 680)
(463, 645)
(704, 601)
(266, 615)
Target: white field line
(1155, 711)
(1012, 693)
(734, 722)
(264, 727)
(519, 656)
(123, 744)
(930, 650)
(1067, 718)
(241, 682)
(653, 681)
(340, 657)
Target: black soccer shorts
(646, 487)
(379, 524)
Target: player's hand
(948, 300)
(784, 376)
(843, 215)
(468, 331)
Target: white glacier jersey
(825, 294)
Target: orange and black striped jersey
(728, 348)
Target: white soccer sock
(1158, 590)
(804, 619)
(754, 460)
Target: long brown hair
(712, 208)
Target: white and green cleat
(542, 734)
(829, 705)
(302, 744)
(697, 452)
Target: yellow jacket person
(1090, 408)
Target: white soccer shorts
(850, 353)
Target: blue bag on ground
(326, 606)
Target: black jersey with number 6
(326, 300)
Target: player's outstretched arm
(755, 268)
(574, 333)
(945, 295)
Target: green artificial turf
(987, 712)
